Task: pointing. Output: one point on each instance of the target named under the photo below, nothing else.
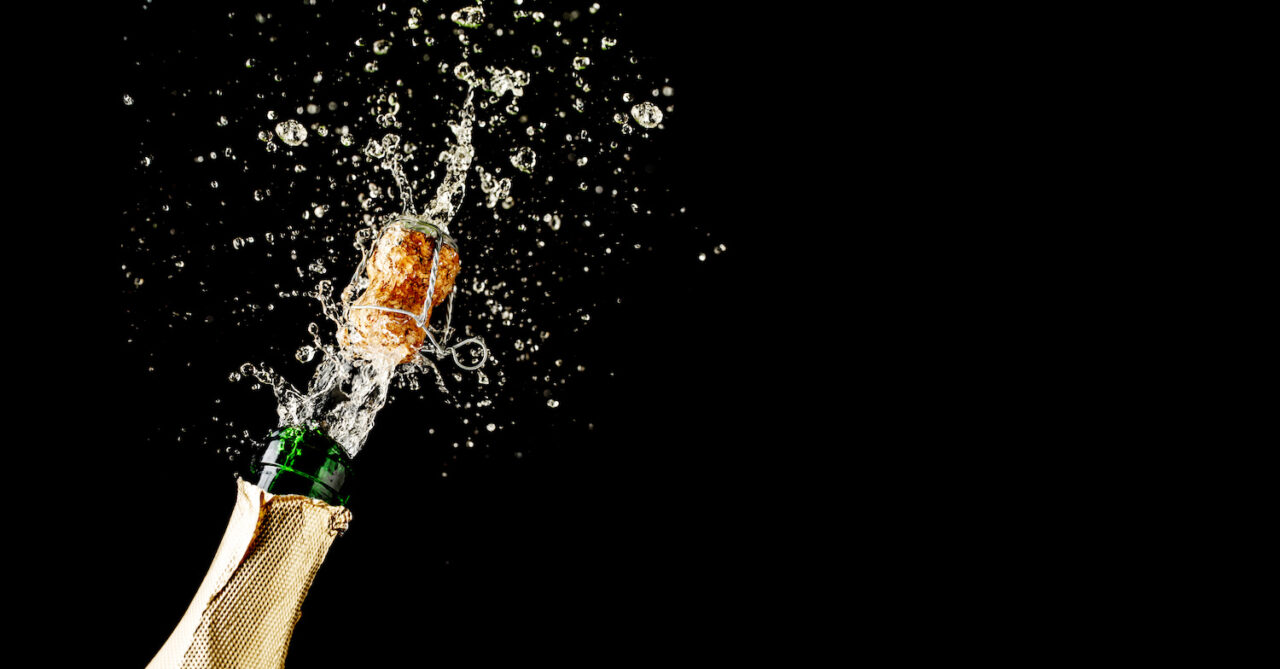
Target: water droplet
(464, 72)
(381, 47)
(291, 132)
(524, 159)
(305, 353)
(553, 403)
(647, 114)
(607, 42)
(468, 17)
(581, 62)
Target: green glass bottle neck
(304, 461)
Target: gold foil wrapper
(244, 612)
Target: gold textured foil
(244, 612)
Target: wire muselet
(440, 346)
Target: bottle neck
(304, 461)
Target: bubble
(291, 132)
(468, 17)
(506, 79)
(381, 47)
(128, 101)
(607, 43)
(647, 114)
(581, 62)
(524, 159)
(464, 72)
(305, 353)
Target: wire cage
(437, 338)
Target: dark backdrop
(630, 525)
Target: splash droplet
(524, 159)
(291, 132)
(468, 17)
(647, 114)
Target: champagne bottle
(244, 612)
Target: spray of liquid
(560, 185)
(349, 388)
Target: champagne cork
(399, 271)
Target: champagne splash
(351, 383)
(327, 127)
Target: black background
(628, 540)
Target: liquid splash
(528, 105)
(350, 386)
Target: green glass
(304, 461)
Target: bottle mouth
(301, 460)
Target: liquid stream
(350, 385)
(585, 83)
